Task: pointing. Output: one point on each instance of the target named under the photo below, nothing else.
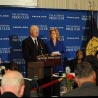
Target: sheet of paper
(55, 53)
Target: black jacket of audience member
(94, 62)
(87, 89)
(8, 95)
(30, 51)
(73, 63)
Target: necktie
(35, 41)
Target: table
(63, 76)
(63, 88)
(57, 75)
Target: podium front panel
(35, 69)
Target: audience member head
(79, 54)
(10, 67)
(96, 54)
(54, 34)
(84, 73)
(93, 61)
(13, 82)
(34, 31)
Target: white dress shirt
(34, 40)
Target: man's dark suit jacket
(29, 50)
(87, 89)
(8, 95)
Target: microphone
(41, 49)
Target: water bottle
(40, 92)
(0, 61)
(33, 94)
(0, 72)
(39, 89)
(63, 88)
(67, 70)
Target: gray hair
(83, 70)
(12, 78)
(33, 27)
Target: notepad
(55, 53)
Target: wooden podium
(43, 61)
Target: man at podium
(33, 46)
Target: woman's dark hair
(11, 66)
(79, 51)
(92, 60)
(96, 53)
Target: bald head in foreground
(12, 84)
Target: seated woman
(56, 47)
(77, 60)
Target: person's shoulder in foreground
(87, 89)
(8, 95)
(85, 78)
